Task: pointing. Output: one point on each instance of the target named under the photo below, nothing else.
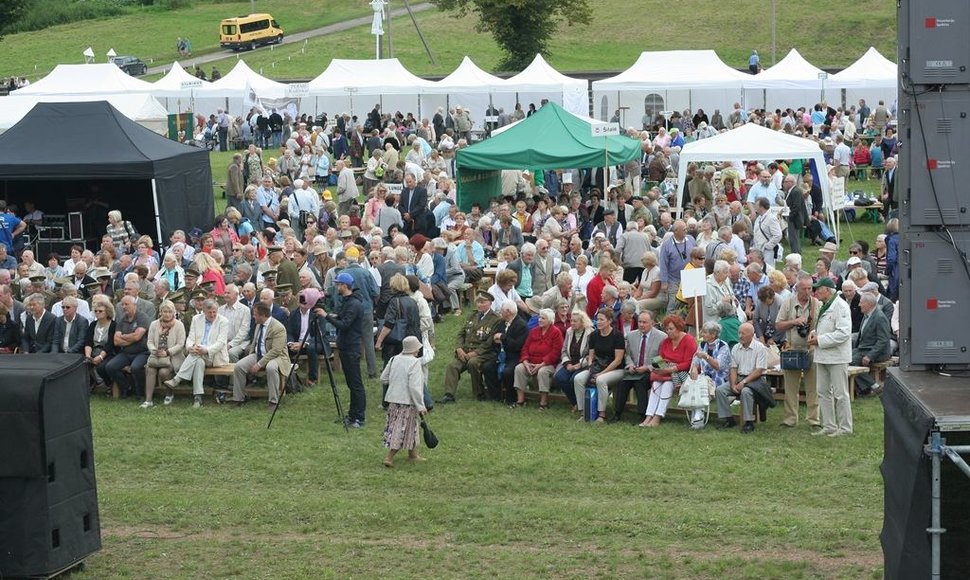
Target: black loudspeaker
(915, 405)
(48, 496)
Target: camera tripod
(317, 333)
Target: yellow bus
(249, 32)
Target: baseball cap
(344, 278)
(824, 282)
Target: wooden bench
(878, 369)
(776, 379)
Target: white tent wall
(771, 99)
(872, 97)
(673, 100)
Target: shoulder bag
(797, 360)
(400, 329)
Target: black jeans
(350, 361)
(640, 387)
(136, 362)
(494, 384)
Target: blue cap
(344, 278)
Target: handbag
(400, 329)
(427, 352)
(159, 362)
(796, 360)
(774, 356)
(695, 393)
(430, 439)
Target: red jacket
(594, 295)
(542, 347)
(681, 356)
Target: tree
(522, 28)
(10, 13)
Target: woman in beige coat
(166, 343)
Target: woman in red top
(677, 351)
(563, 318)
(538, 358)
(594, 290)
(211, 272)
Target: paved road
(291, 39)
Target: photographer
(349, 322)
(796, 318)
(300, 323)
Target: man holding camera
(301, 324)
(797, 317)
(349, 324)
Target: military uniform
(475, 337)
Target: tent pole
(158, 220)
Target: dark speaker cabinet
(48, 495)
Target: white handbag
(696, 393)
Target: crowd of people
(570, 285)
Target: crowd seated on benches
(574, 274)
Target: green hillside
(836, 37)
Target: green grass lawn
(508, 493)
(613, 41)
(150, 34)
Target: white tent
(540, 81)
(355, 86)
(176, 90)
(752, 142)
(231, 92)
(472, 88)
(669, 80)
(82, 79)
(793, 82)
(873, 77)
(141, 108)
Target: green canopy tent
(552, 138)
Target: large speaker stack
(926, 401)
(933, 183)
(48, 497)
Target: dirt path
(290, 39)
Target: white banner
(837, 193)
(377, 26)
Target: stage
(927, 494)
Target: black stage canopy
(89, 157)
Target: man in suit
(642, 345)
(797, 213)
(205, 346)
(413, 206)
(38, 335)
(297, 328)
(70, 329)
(508, 334)
(889, 202)
(80, 279)
(872, 342)
(267, 351)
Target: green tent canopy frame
(552, 138)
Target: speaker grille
(944, 125)
(944, 266)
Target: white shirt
(67, 334)
(83, 310)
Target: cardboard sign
(604, 129)
(693, 282)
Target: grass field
(508, 493)
(150, 33)
(613, 41)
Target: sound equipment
(48, 496)
(920, 408)
(52, 228)
(75, 226)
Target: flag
(377, 26)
